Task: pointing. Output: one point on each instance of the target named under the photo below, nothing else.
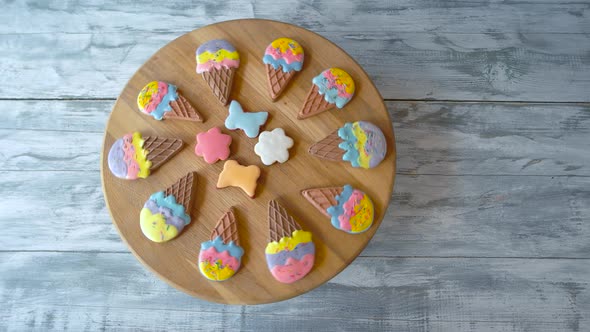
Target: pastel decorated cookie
(349, 209)
(361, 143)
(236, 175)
(332, 87)
(213, 145)
(290, 253)
(166, 213)
(249, 122)
(217, 62)
(221, 256)
(133, 156)
(162, 100)
(273, 146)
(283, 58)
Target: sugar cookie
(273, 146)
(236, 175)
(213, 145)
(283, 59)
(217, 61)
(162, 100)
(220, 258)
(134, 156)
(249, 122)
(349, 209)
(166, 213)
(332, 87)
(290, 253)
(361, 143)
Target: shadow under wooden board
(175, 261)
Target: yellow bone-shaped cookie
(236, 175)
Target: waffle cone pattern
(220, 81)
(160, 149)
(227, 228)
(322, 198)
(277, 80)
(314, 104)
(328, 148)
(183, 110)
(183, 191)
(280, 223)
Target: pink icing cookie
(213, 145)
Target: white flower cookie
(273, 146)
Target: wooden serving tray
(176, 261)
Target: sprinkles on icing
(336, 85)
(285, 53)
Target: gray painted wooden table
(489, 226)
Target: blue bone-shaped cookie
(249, 122)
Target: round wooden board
(175, 261)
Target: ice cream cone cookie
(162, 100)
(249, 122)
(213, 145)
(283, 58)
(290, 252)
(361, 143)
(236, 175)
(349, 209)
(220, 258)
(134, 156)
(273, 146)
(166, 213)
(333, 87)
(217, 61)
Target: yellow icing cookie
(288, 243)
(154, 226)
(213, 272)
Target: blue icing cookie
(234, 250)
(249, 122)
(170, 202)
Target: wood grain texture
(430, 215)
(462, 50)
(526, 194)
(459, 66)
(417, 294)
(456, 16)
(175, 261)
(443, 138)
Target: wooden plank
(404, 65)
(444, 138)
(505, 294)
(488, 138)
(429, 215)
(88, 318)
(57, 115)
(477, 16)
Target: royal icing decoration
(273, 146)
(236, 175)
(162, 218)
(285, 53)
(213, 145)
(217, 54)
(335, 85)
(291, 258)
(364, 144)
(127, 158)
(219, 261)
(249, 122)
(354, 212)
(154, 99)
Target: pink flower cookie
(213, 145)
